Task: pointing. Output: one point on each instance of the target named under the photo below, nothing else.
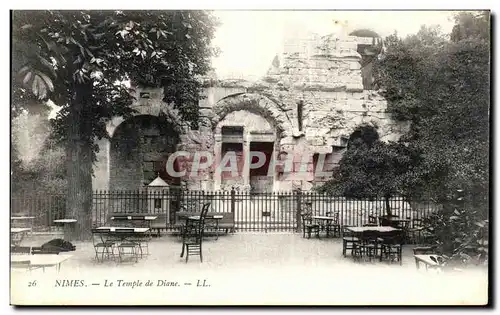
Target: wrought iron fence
(44, 208)
(266, 212)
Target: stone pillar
(276, 151)
(246, 157)
(217, 156)
(101, 168)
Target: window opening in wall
(300, 108)
(237, 149)
(232, 130)
(321, 168)
(364, 134)
(232, 134)
(232, 147)
(267, 149)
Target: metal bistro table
(325, 221)
(146, 218)
(392, 220)
(398, 222)
(41, 261)
(380, 229)
(126, 234)
(112, 229)
(130, 231)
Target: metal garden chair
(391, 246)
(309, 226)
(348, 240)
(192, 235)
(334, 225)
(367, 247)
(101, 245)
(127, 247)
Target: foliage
(442, 87)
(57, 51)
(460, 230)
(46, 174)
(37, 162)
(371, 168)
(81, 60)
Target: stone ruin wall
(321, 72)
(324, 73)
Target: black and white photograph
(202, 157)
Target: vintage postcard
(195, 157)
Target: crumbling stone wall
(317, 78)
(324, 75)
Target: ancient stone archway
(139, 149)
(152, 106)
(257, 104)
(167, 116)
(261, 126)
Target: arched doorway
(140, 147)
(241, 133)
(247, 122)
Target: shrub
(460, 230)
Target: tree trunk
(79, 165)
(388, 206)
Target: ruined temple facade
(307, 105)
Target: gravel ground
(249, 269)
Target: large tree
(371, 168)
(81, 59)
(441, 85)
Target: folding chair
(143, 242)
(423, 250)
(127, 247)
(102, 246)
